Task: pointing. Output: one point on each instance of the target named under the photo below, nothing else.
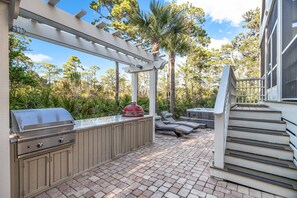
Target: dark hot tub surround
(38, 129)
(200, 115)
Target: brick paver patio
(172, 167)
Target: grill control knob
(61, 139)
(40, 145)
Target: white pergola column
(134, 81)
(4, 103)
(152, 98)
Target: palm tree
(157, 25)
(152, 26)
(175, 44)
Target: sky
(223, 23)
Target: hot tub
(202, 115)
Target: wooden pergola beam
(101, 25)
(58, 37)
(57, 18)
(53, 2)
(80, 14)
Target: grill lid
(31, 120)
(133, 110)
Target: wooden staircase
(257, 152)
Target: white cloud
(225, 10)
(217, 43)
(39, 57)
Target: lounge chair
(179, 130)
(168, 117)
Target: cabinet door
(148, 137)
(141, 132)
(117, 146)
(129, 137)
(60, 165)
(34, 175)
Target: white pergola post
(153, 98)
(134, 81)
(4, 103)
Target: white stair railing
(250, 90)
(226, 98)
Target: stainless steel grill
(39, 129)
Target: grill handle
(50, 127)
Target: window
(289, 53)
(289, 22)
(271, 67)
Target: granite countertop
(93, 122)
(101, 121)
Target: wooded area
(194, 83)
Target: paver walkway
(172, 167)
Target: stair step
(259, 120)
(279, 137)
(255, 179)
(263, 131)
(256, 109)
(252, 114)
(280, 151)
(260, 143)
(268, 178)
(263, 159)
(283, 168)
(257, 123)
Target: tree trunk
(200, 83)
(117, 81)
(155, 48)
(172, 81)
(167, 91)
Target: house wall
(278, 43)
(289, 111)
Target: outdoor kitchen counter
(102, 139)
(97, 141)
(103, 121)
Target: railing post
(224, 99)
(219, 141)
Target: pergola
(44, 21)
